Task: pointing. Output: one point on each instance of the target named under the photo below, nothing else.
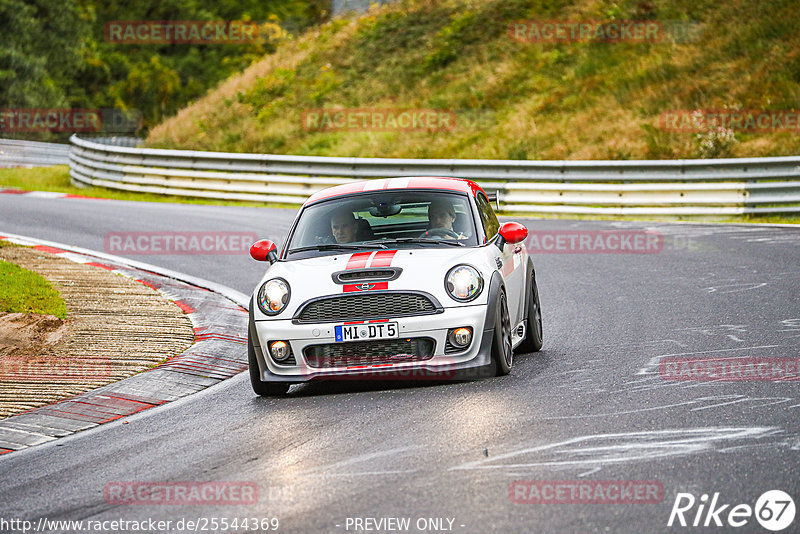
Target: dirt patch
(115, 327)
(28, 334)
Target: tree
(40, 50)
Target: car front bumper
(473, 362)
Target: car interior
(391, 218)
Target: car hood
(422, 270)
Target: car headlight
(273, 296)
(463, 283)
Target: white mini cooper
(401, 278)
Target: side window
(490, 223)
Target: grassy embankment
(513, 100)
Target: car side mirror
(512, 233)
(264, 250)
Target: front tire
(502, 355)
(265, 389)
(534, 335)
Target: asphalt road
(591, 406)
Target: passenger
(343, 226)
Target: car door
(512, 261)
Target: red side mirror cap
(264, 250)
(513, 232)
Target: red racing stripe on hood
(358, 260)
(383, 258)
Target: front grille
(365, 306)
(370, 352)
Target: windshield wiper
(426, 240)
(337, 246)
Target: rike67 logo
(774, 510)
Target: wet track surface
(591, 406)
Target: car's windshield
(399, 219)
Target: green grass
(23, 291)
(57, 179)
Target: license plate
(365, 332)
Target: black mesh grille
(366, 306)
(449, 348)
(370, 352)
(288, 361)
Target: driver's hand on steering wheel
(445, 233)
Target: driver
(441, 216)
(343, 226)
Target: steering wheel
(442, 232)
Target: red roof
(415, 182)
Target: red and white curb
(219, 352)
(44, 194)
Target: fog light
(461, 337)
(280, 350)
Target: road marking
(624, 447)
(316, 471)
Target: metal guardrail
(19, 153)
(660, 187)
(114, 140)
